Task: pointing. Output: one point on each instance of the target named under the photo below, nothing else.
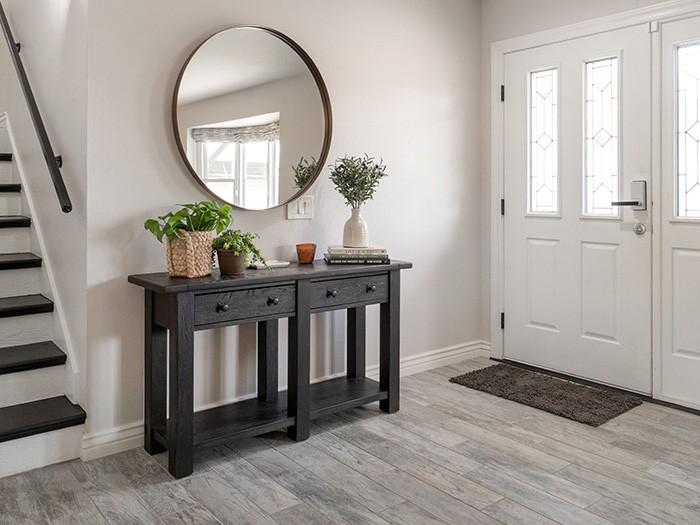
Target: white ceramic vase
(355, 234)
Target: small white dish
(272, 264)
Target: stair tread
(25, 305)
(14, 221)
(6, 157)
(30, 357)
(28, 419)
(14, 261)
(10, 188)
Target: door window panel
(543, 131)
(601, 164)
(688, 132)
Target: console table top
(162, 282)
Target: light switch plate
(302, 208)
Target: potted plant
(356, 179)
(189, 233)
(236, 250)
(303, 171)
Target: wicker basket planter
(190, 255)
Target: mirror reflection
(252, 117)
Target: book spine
(357, 251)
(334, 257)
(356, 261)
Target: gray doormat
(585, 404)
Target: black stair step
(17, 261)
(28, 419)
(10, 188)
(30, 357)
(5, 157)
(14, 221)
(25, 305)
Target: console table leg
(268, 362)
(180, 424)
(356, 319)
(389, 345)
(155, 377)
(299, 364)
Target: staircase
(39, 425)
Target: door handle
(626, 203)
(638, 202)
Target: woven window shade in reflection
(267, 132)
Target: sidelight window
(688, 132)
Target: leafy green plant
(241, 243)
(201, 216)
(303, 171)
(357, 178)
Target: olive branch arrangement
(357, 178)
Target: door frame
(653, 16)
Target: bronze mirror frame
(325, 101)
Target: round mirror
(252, 117)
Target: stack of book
(369, 255)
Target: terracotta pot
(190, 254)
(306, 252)
(230, 263)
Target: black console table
(183, 306)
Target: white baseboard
(108, 442)
(130, 436)
(437, 358)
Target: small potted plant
(303, 172)
(189, 233)
(236, 250)
(356, 179)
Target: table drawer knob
(331, 293)
(222, 307)
(273, 301)
(371, 288)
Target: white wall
(404, 82)
(53, 37)
(503, 19)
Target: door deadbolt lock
(639, 229)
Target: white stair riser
(20, 455)
(20, 282)
(5, 146)
(9, 203)
(6, 175)
(32, 385)
(14, 240)
(26, 329)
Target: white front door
(577, 283)
(679, 372)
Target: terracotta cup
(306, 252)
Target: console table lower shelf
(175, 308)
(253, 417)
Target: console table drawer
(355, 290)
(244, 304)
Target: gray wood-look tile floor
(451, 455)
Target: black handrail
(53, 162)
